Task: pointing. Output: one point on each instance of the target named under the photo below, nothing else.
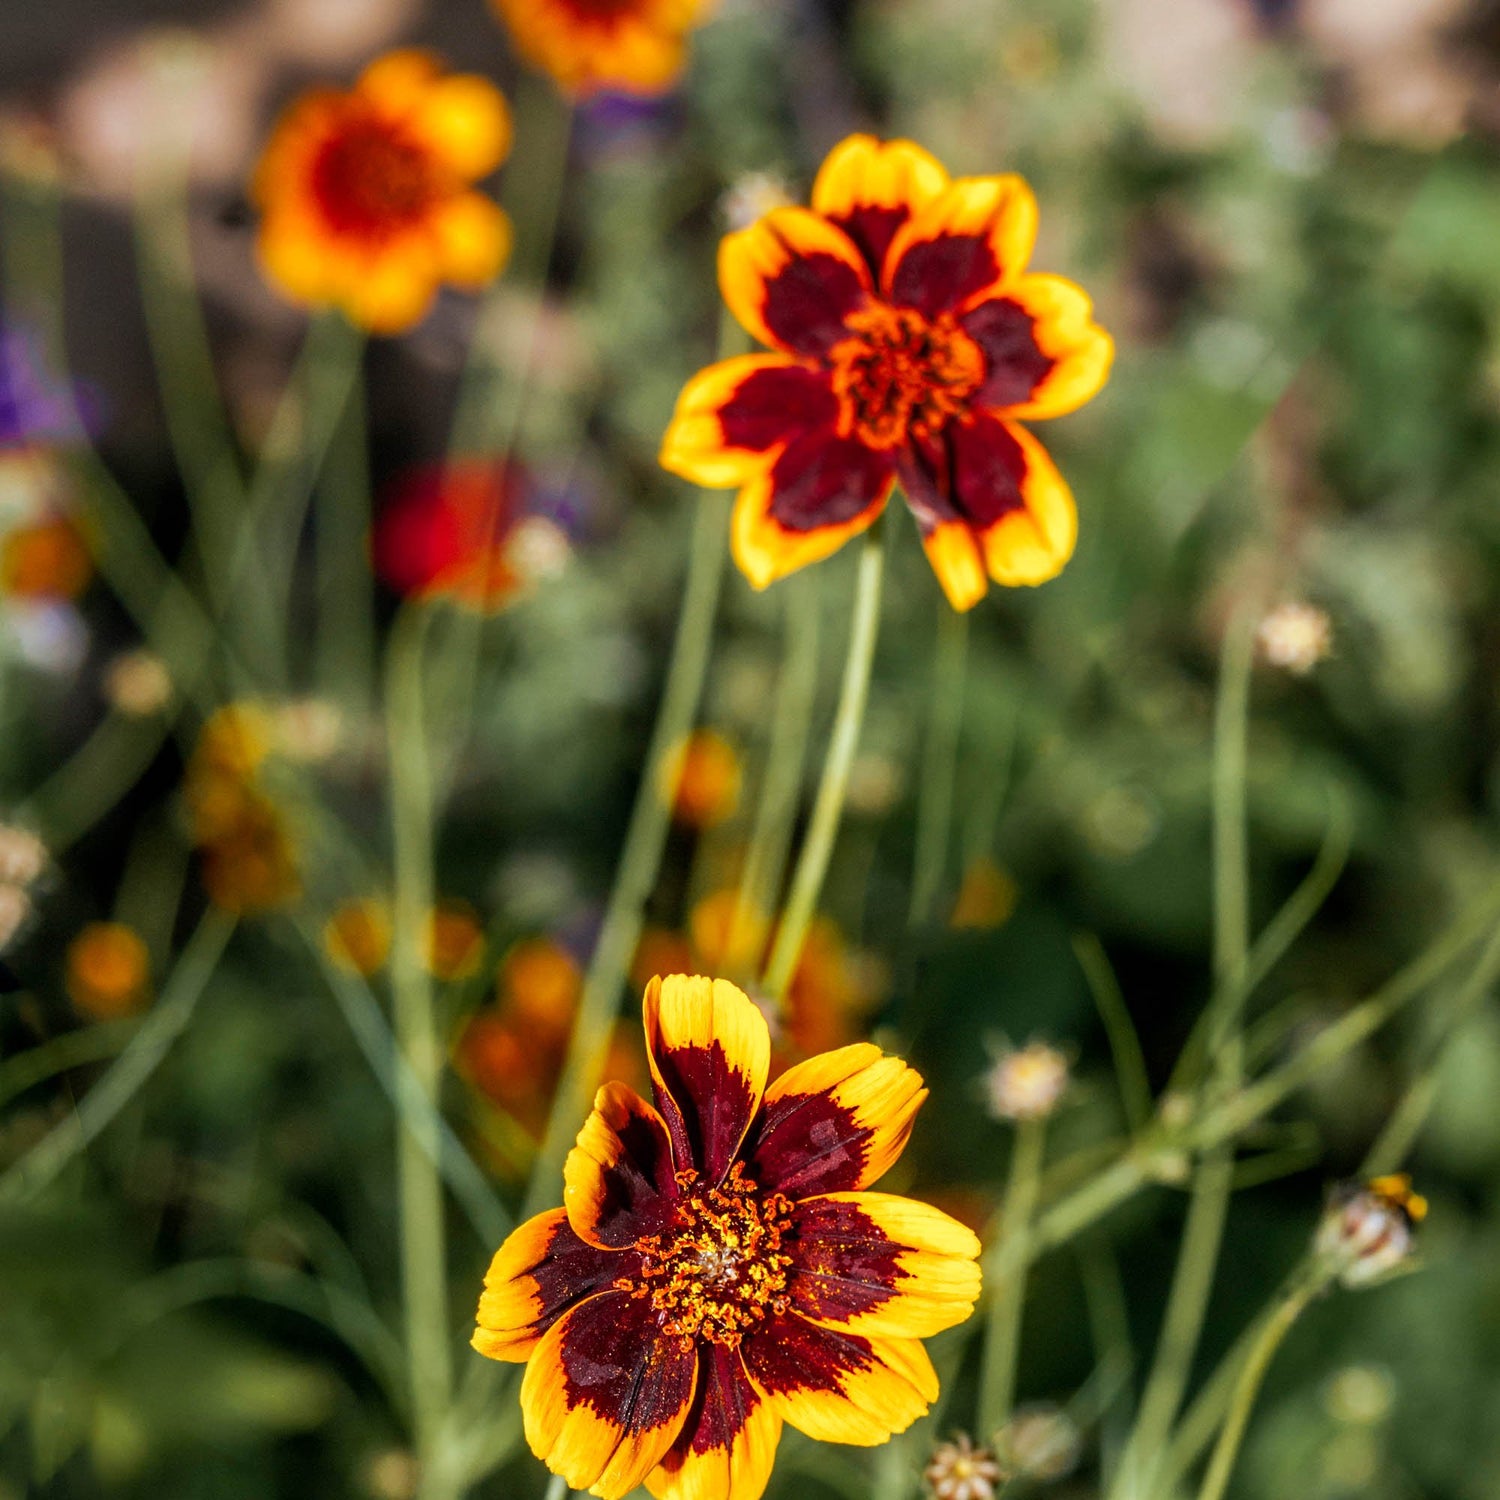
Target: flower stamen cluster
(720, 1267)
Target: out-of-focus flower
(448, 531)
(45, 559)
(986, 897)
(1368, 1230)
(357, 937)
(660, 951)
(250, 861)
(960, 1471)
(1026, 1083)
(875, 784)
(36, 406)
(107, 970)
(49, 635)
(540, 982)
(700, 778)
(454, 941)
(630, 46)
(394, 1474)
(1295, 637)
(539, 549)
(1360, 1395)
(752, 197)
(308, 730)
(366, 196)
(1039, 1442)
(687, 1300)
(23, 856)
(910, 345)
(332, 33)
(138, 683)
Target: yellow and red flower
(720, 1267)
(910, 344)
(630, 46)
(367, 197)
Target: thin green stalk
(1124, 1044)
(150, 1044)
(771, 833)
(1109, 1327)
(1006, 1294)
(61, 1054)
(639, 860)
(939, 761)
(557, 1488)
(1213, 1181)
(817, 847)
(424, 1261)
(1262, 1351)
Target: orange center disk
(720, 1268)
(899, 374)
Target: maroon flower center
(897, 373)
(371, 178)
(719, 1267)
(602, 10)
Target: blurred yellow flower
(138, 683)
(629, 46)
(701, 779)
(540, 981)
(107, 970)
(454, 941)
(366, 195)
(357, 937)
(986, 898)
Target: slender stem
(423, 1227)
(1248, 1386)
(1124, 1043)
(939, 761)
(817, 847)
(1006, 1294)
(150, 1044)
(557, 1488)
(639, 860)
(770, 836)
(73, 1049)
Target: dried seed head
(960, 1471)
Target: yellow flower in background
(720, 1267)
(701, 778)
(629, 46)
(540, 982)
(357, 937)
(453, 944)
(986, 898)
(46, 558)
(107, 971)
(366, 196)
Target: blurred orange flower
(357, 937)
(366, 196)
(447, 532)
(540, 981)
(107, 969)
(986, 898)
(454, 941)
(630, 46)
(701, 777)
(46, 558)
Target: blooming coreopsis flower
(910, 344)
(630, 46)
(720, 1268)
(449, 531)
(367, 197)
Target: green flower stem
(557, 1488)
(1006, 1293)
(641, 857)
(1247, 1387)
(150, 1044)
(939, 761)
(817, 847)
(1131, 1076)
(424, 1276)
(73, 1049)
(1213, 1180)
(771, 834)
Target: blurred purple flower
(620, 125)
(36, 405)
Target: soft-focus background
(1289, 214)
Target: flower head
(910, 343)
(960, 1471)
(630, 46)
(1026, 1083)
(701, 779)
(107, 970)
(367, 197)
(138, 683)
(45, 558)
(1295, 637)
(719, 1267)
(357, 937)
(1039, 1442)
(453, 943)
(1368, 1229)
(451, 531)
